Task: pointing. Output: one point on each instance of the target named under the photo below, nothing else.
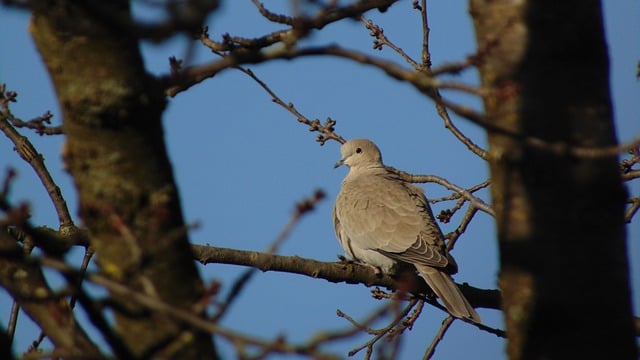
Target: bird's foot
(348, 261)
(376, 269)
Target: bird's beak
(339, 163)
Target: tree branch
(27, 285)
(29, 154)
(439, 336)
(335, 272)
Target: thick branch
(335, 272)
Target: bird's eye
(358, 151)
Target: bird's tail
(449, 293)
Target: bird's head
(358, 153)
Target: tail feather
(449, 293)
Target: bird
(383, 221)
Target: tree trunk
(115, 151)
(564, 271)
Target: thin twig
(631, 175)
(301, 209)
(444, 114)
(13, 321)
(326, 130)
(423, 82)
(439, 336)
(379, 333)
(72, 302)
(456, 195)
(441, 108)
(88, 254)
(27, 247)
(299, 26)
(475, 201)
(29, 154)
(273, 17)
(466, 220)
(633, 209)
(40, 124)
(627, 165)
(381, 39)
(279, 345)
(426, 54)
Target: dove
(383, 221)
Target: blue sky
(242, 162)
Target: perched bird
(381, 220)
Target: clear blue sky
(242, 162)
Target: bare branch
(27, 247)
(631, 175)
(581, 152)
(300, 25)
(29, 154)
(326, 130)
(444, 114)
(13, 320)
(439, 336)
(388, 330)
(421, 81)
(38, 124)
(633, 209)
(436, 96)
(327, 15)
(55, 243)
(273, 17)
(301, 209)
(27, 285)
(627, 165)
(381, 40)
(194, 75)
(279, 345)
(456, 195)
(335, 272)
(475, 201)
(466, 220)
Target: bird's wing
(392, 217)
(343, 238)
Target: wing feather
(385, 214)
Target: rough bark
(560, 217)
(116, 154)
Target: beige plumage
(380, 219)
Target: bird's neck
(366, 170)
